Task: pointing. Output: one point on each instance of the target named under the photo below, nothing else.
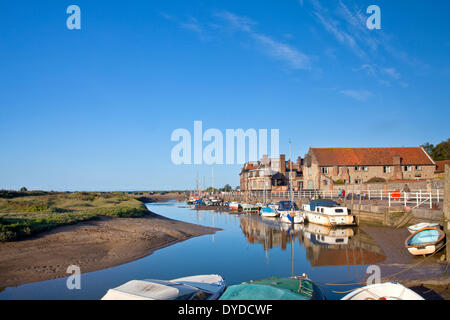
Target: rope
(387, 278)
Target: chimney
(282, 163)
(397, 161)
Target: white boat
(327, 213)
(425, 241)
(383, 291)
(417, 227)
(268, 212)
(249, 208)
(202, 287)
(289, 212)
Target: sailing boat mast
(290, 173)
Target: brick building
(325, 167)
(440, 168)
(271, 174)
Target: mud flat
(91, 245)
(429, 275)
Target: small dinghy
(383, 291)
(417, 227)
(425, 241)
(295, 288)
(268, 212)
(202, 287)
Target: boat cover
(150, 290)
(287, 205)
(274, 289)
(322, 203)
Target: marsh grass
(27, 215)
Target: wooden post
(447, 207)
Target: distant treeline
(439, 152)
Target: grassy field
(26, 213)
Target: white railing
(414, 198)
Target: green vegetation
(439, 152)
(339, 182)
(27, 213)
(376, 180)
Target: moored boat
(417, 227)
(201, 287)
(234, 206)
(327, 213)
(268, 212)
(294, 288)
(427, 240)
(249, 208)
(289, 212)
(383, 291)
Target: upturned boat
(417, 227)
(383, 291)
(427, 240)
(201, 287)
(294, 288)
(327, 213)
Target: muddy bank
(92, 245)
(428, 275)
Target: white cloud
(274, 48)
(359, 95)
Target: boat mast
(290, 174)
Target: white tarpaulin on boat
(150, 290)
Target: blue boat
(268, 212)
(425, 241)
(294, 288)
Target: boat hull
(425, 241)
(329, 220)
(293, 217)
(383, 291)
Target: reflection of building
(326, 166)
(257, 231)
(359, 249)
(271, 174)
(324, 246)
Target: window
(357, 181)
(310, 171)
(365, 168)
(325, 170)
(356, 168)
(339, 210)
(325, 182)
(408, 168)
(418, 167)
(387, 169)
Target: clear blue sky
(93, 109)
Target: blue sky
(94, 109)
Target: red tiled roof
(370, 156)
(440, 166)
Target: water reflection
(324, 246)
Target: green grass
(25, 215)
